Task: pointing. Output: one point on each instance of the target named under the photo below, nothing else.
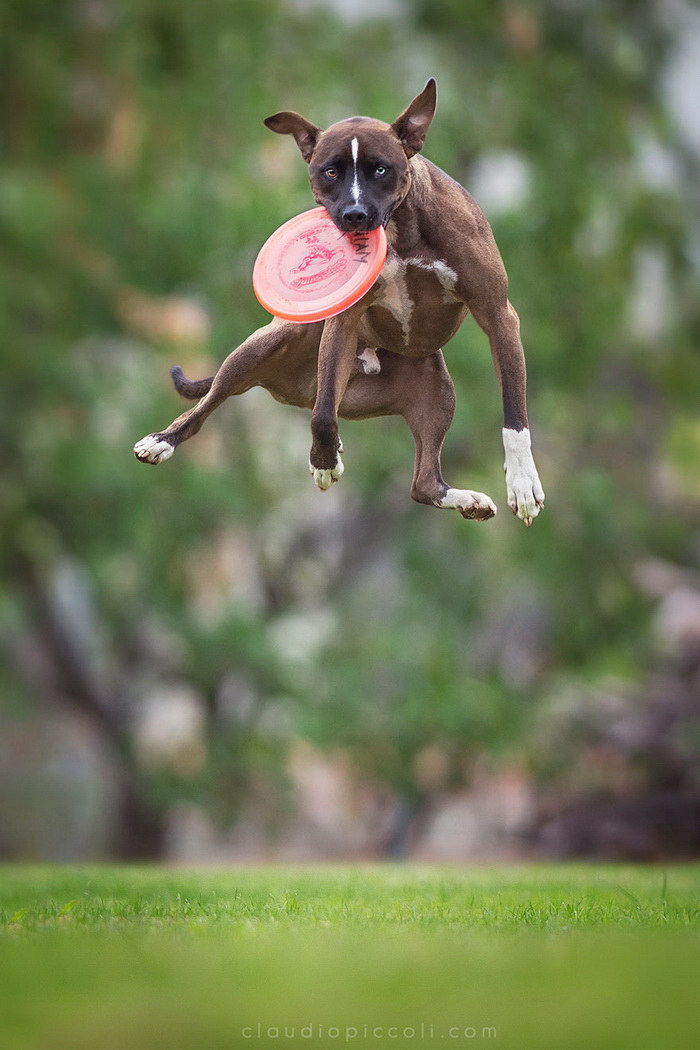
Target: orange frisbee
(308, 270)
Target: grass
(526, 957)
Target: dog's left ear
(289, 123)
(412, 126)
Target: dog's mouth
(351, 220)
(364, 227)
(356, 223)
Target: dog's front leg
(502, 326)
(482, 284)
(336, 356)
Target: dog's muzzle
(356, 219)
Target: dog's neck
(403, 229)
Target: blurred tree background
(203, 661)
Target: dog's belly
(415, 310)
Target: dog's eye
(380, 170)
(331, 173)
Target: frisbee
(308, 270)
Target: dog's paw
(153, 449)
(523, 486)
(525, 496)
(323, 479)
(474, 506)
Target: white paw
(525, 496)
(523, 486)
(152, 449)
(475, 506)
(323, 479)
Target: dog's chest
(419, 297)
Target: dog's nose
(355, 216)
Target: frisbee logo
(317, 264)
(361, 245)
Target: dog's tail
(189, 388)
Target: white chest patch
(445, 274)
(393, 295)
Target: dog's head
(358, 168)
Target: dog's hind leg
(428, 408)
(237, 374)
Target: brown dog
(383, 356)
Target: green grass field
(526, 957)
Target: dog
(383, 356)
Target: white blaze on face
(354, 145)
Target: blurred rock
(301, 636)
(58, 790)
(169, 728)
(644, 829)
(431, 767)
(190, 836)
(627, 784)
(236, 698)
(481, 821)
(340, 813)
(656, 577)
(677, 621)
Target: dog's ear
(412, 126)
(305, 133)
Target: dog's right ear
(305, 133)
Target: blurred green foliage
(137, 185)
